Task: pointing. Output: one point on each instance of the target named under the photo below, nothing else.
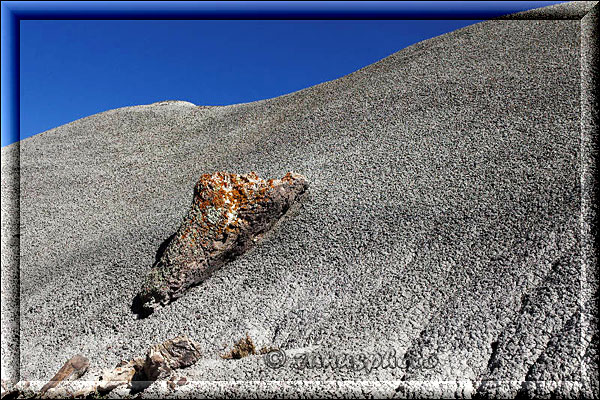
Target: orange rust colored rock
(228, 213)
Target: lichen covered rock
(229, 213)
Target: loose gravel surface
(446, 223)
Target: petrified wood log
(139, 373)
(229, 213)
(163, 358)
(73, 369)
(120, 375)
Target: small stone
(162, 359)
(242, 348)
(58, 392)
(121, 375)
(176, 381)
(181, 381)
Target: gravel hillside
(447, 220)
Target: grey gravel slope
(442, 220)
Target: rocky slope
(447, 225)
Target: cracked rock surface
(228, 213)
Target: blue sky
(72, 69)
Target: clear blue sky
(72, 69)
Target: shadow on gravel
(137, 306)
(139, 383)
(163, 247)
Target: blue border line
(269, 9)
(9, 96)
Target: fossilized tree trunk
(229, 213)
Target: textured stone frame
(13, 12)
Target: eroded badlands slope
(443, 218)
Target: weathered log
(73, 369)
(139, 373)
(163, 358)
(229, 213)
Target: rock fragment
(163, 358)
(242, 348)
(121, 375)
(176, 381)
(134, 375)
(73, 369)
(139, 373)
(229, 213)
